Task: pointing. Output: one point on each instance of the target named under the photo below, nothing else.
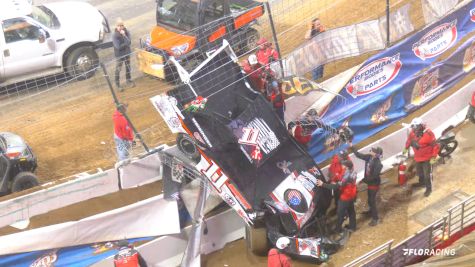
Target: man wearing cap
(423, 142)
(123, 134)
(266, 53)
(128, 256)
(121, 41)
(372, 178)
(254, 72)
(275, 257)
(346, 203)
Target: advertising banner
(393, 84)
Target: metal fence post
(388, 42)
(431, 229)
(450, 222)
(462, 215)
(117, 103)
(274, 38)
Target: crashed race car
(241, 146)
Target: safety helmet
(416, 121)
(252, 59)
(282, 242)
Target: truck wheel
(82, 62)
(187, 146)
(256, 240)
(252, 36)
(23, 181)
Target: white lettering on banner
(267, 141)
(436, 41)
(374, 76)
(400, 23)
(428, 252)
(369, 36)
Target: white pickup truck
(41, 40)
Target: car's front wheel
(82, 63)
(23, 181)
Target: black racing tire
(447, 149)
(256, 240)
(188, 147)
(23, 181)
(252, 36)
(82, 63)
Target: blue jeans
(317, 72)
(122, 146)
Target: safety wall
(85, 186)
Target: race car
(245, 151)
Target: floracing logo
(46, 260)
(436, 41)
(469, 58)
(425, 87)
(374, 76)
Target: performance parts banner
(395, 83)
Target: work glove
(433, 160)
(405, 151)
(414, 144)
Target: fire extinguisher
(402, 173)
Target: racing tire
(256, 240)
(82, 63)
(188, 147)
(252, 36)
(448, 148)
(23, 181)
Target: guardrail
(433, 236)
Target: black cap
(377, 150)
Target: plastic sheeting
(139, 172)
(151, 217)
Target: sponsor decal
(469, 58)
(267, 140)
(249, 136)
(426, 86)
(472, 15)
(177, 171)
(198, 104)
(46, 260)
(379, 116)
(198, 137)
(309, 247)
(374, 76)
(296, 201)
(229, 199)
(298, 86)
(284, 166)
(208, 143)
(164, 106)
(436, 41)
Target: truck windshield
(180, 14)
(45, 16)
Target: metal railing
(432, 236)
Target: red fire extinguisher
(402, 173)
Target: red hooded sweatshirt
(121, 127)
(428, 147)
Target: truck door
(26, 49)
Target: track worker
(423, 142)
(266, 53)
(123, 134)
(276, 257)
(346, 203)
(128, 256)
(336, 171)
(315, 27)
(372, 177)
(253, 70)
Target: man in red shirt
(423, 142)
(254, 72)
(123, 134)
(275, 95)
(471, 109)
(275, 257)
(266, 53)
(128, 256)
(336, 171)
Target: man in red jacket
(128, 256)
(276, 257)
(123, 134)
(254, 72)
(423, 142)
(346, 203)
(266, 53)
(336, 171)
